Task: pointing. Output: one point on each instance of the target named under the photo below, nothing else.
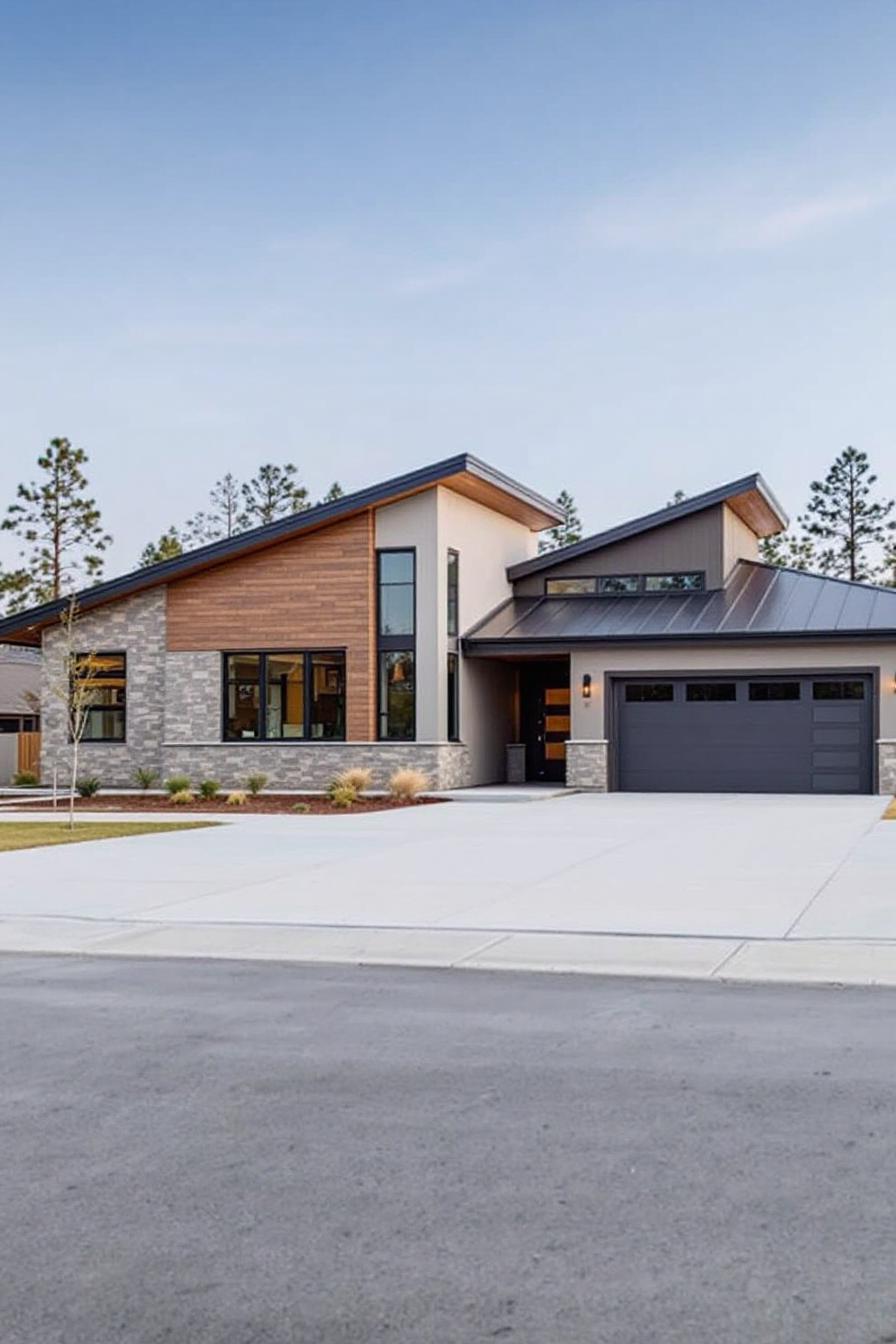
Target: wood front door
(545, 720)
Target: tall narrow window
(453, 699)
(453, 566)
(396, 644)
(396, 593)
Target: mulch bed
(263, 802)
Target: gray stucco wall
(136, 626)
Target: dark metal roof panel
(759, 602)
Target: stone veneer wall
(586, 765)
(137, 626)
(886, 767)
(311, 765)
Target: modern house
(414, 623)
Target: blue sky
(617, 248)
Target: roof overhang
(750, 498)
(464, 473)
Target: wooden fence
(29, 752)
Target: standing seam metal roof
(759, 601)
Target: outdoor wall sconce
(586, 686)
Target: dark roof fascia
(218, 551)
(550, 644)
(647, 522)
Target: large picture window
(284, 697)
(396, 645)
(105, 676)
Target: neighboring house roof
(759, 602)
(19, 676)
(464, 473)
(750, 498)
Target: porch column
(586, 765)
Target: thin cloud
(729, 216)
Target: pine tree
(789, 550)
(220, 519)
(843, 515)
(335, 492)
(61, 526)
(678, 498)
(168, 547)
(568, 531)
(273, 493)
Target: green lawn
(32, 834)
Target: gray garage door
(745, 734)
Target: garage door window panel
(649, 692)
(838, 690)
(709, 692)
(775, 690)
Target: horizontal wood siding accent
(313, 591)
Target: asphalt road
(240, 1154)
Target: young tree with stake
(69, 681)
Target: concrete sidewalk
(730, 888)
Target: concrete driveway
(721, 869)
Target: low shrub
(237, 798)
(407, 784)
(178, 784)
(209, 788)
(300, 807)
(146, 778)
(255, 784)
(342, 795)
(25, 779)
(181, 797)
(357, 777)
(88, 787)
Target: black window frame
(307, 655)
(121, 709)
(389, 644)
(452, 596)
(641, 590)
(572, 578)
(452, 686)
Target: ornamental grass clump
(25, 779)
(181, 797)
(405, 785)
(177, 784)
(237, 798)
(146, 778)
(209, 789)
(301, 807)
(342, 795)
(88, 786)
(357, 777)
(255, 784)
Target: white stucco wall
(434, 522)
(486, 543)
